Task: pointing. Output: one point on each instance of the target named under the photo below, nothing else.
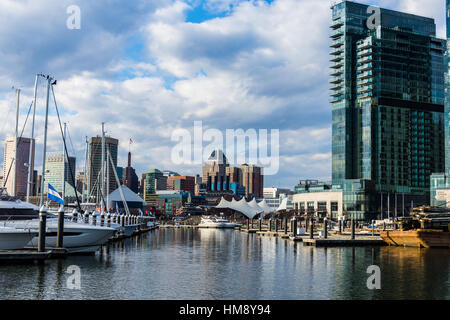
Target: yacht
(215, 222)
(15, 239)
(78, 237)
(12, 208)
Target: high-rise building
(154, 181)
(181, 183)
(440, 182)
(20, 169)
(131, 180)
(252, 178)
(54, 168)
(214, 171)
(95, 164)
(387, 105)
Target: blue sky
(147, 68)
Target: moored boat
(425, 228)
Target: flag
(54, 195)
(117, 208)
(140, 211)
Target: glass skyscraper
(441, 181)
(387, 97)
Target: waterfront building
(274, 196)
(154, 181)
(387, 105)
(95, 164)
(252, 178)
(58, 166)
(19, 170)
(167, 202)
(181, 183)
(440, 182)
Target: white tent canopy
(283, 205)
(249, 209)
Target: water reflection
(227, 264)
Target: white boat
(214, 222)
(15, 239)
(78, 237)
(12, 208)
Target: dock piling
(60, 233)
(353, 229)
(325, 228)
(86, 217)
(42, 229)
(75, 215)
(311, 228)
(294, 226)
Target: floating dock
(32, 255)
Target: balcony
(335, 88)
(337, 66)
(336, 34)
(336, 73)
(337, 44)
(364, 60)
(364, 75)
(336, 52)
(337, 59)
(337, 94)
(336, 80)
(336, 24)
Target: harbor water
(227, 264)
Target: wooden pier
(344, 241)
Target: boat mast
(102, 179)
(30, 156)
(107, 180)
(83, 199)
(44, 153)
(16, 136)
(64, 164)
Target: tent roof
(129, 196)
(263, 205)
(283, 205)
(241, 206)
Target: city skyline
(185, 81)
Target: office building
(154, 181)
(440, 182)
(387, 106)
(56, 169)
(95, 165)
(17, 173)
(181, 183)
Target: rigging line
(65, 149)
(17, 144)
(70, 140)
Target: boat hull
(417, 238)
(15, 240)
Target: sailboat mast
(44, 153)
(64, 176)
(102, 179)
(30, 156)
(83, 199)
(107, 180)
(16, 136)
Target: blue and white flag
(54, 195)
(140, 211)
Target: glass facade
(387, 97)
(440, 181)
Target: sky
(150, 67)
